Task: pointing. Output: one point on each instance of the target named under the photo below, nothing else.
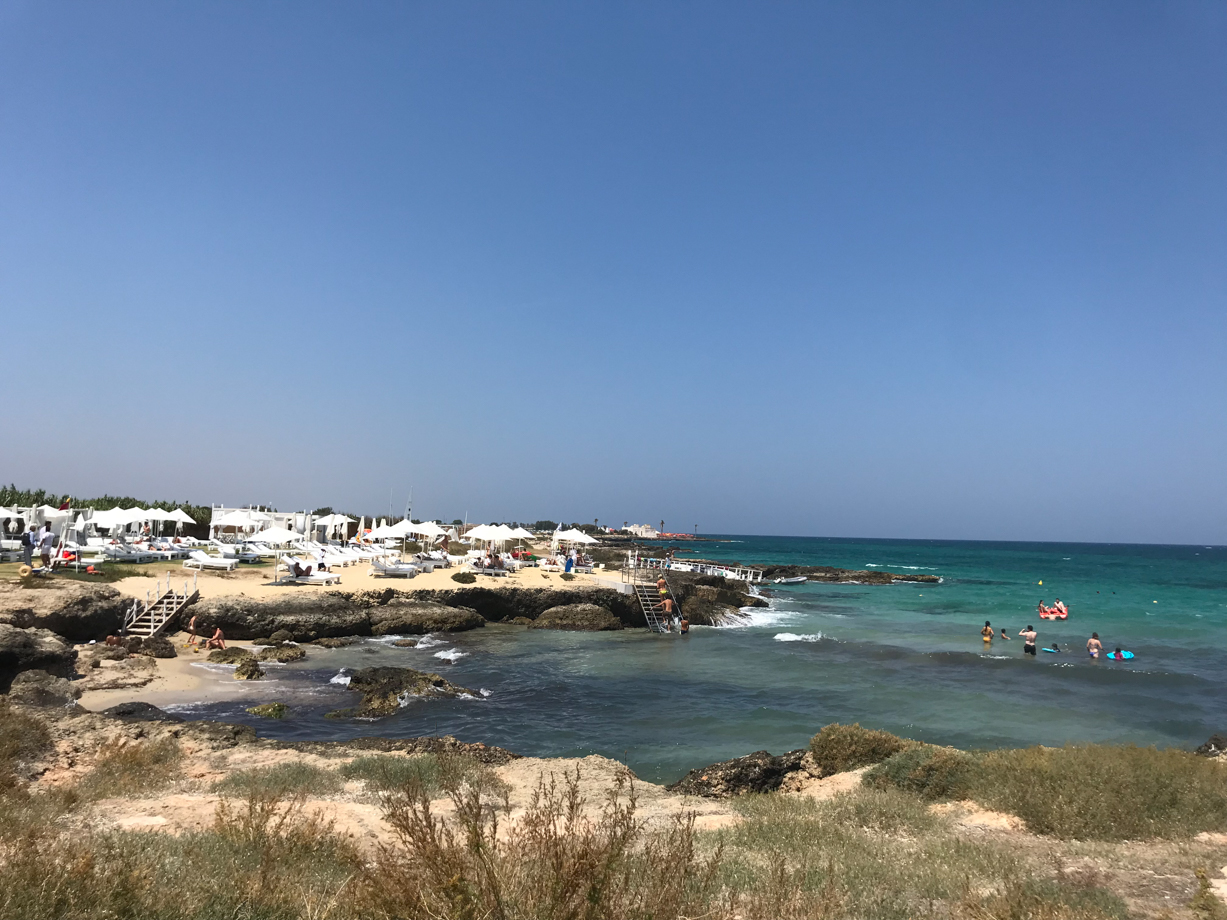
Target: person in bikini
(1028, 636)
(987, 631)
(1094, 646)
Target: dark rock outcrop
(385, 690)
(757, 772)
(1216, 746)
(415, 618)
(33, 649)
(137, 711)
(232, 655)
(831, 574)
(282, 653)
(155, 647)
(38, 688)
(292, 617)
(248, 669)
(75, 610)
(579, 617)
(506, 604)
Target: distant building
(643, 531)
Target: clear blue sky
(899, 270)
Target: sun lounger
(201, 560)
(315, 578)
(382, 568)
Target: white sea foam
(485, 692)
(878, 565)
(341, 677)
(429, 641)
(794, 637)
(451, 654)
(760, 616)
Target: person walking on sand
(192, 638)
(1028, 637)
(987, 631)
(46, 542)
(29, 540)
(1093, 645)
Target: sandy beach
(256, 581)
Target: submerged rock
(137, 711)
(385, 690)
(584, 617)
(282, 653)
(417, 618)
(269, 710)
(334, 641)
(76, 610)
(33, 649)
(248, 669)
(406, 643)
(757, 772)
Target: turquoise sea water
(907, 658)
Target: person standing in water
(1094, 646)
(987, 631)
(1028, 637)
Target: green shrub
(1103, 792)
(280, 781)
(933, 773)
(124, 768)
(837, 748)
(465, 578)
(430, 773)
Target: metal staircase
(643, 582)
(149, 617)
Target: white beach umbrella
(384, 532)
(482, 532)
(428, 529)
(180, 516)
(574, 536)
(276, 535)
(521, 534)
(334, 520)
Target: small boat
(798, 580)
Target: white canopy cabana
(241, 518)
(333, 520)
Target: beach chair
(315, 578)
(381, 568)
(201, 561)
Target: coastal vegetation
(910, 839)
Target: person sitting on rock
(218, 640)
